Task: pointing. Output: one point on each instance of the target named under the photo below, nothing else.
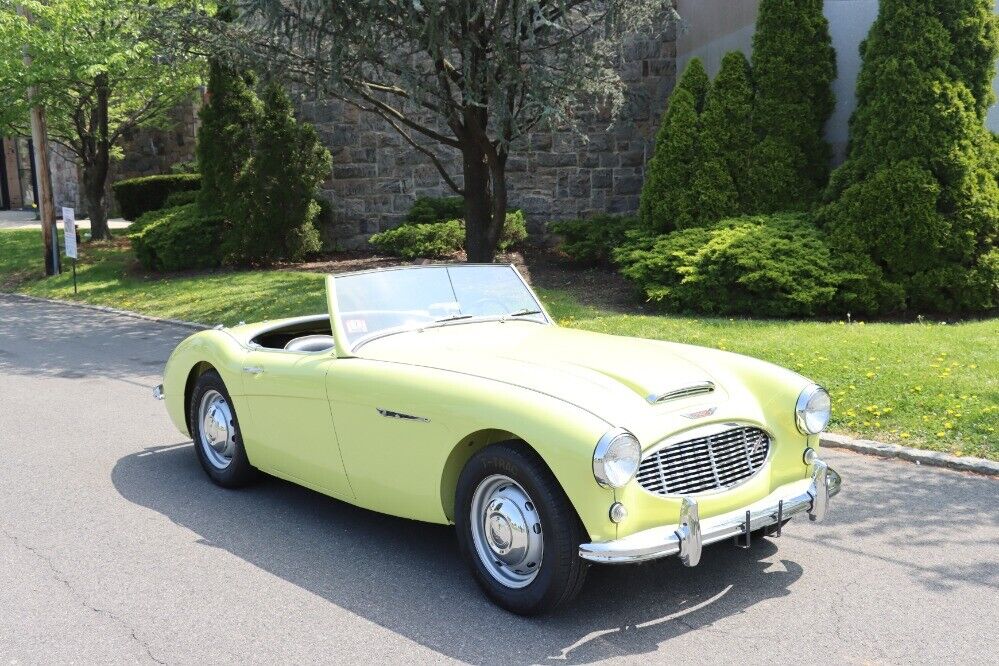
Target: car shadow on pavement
(409, 578)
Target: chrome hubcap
(218, 429)
(506, 530)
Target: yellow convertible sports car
(447, 394)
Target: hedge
(777, 266)
(179, 238)
(591, 240)
(136, 196)
(440, 240)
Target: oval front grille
(713, 462)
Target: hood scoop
(678, 392)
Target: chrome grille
(711, 462)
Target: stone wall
(376, 176)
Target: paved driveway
(115, 548)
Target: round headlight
(813, 410)
(616, 458)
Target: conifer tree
(793, 66)
(726, 139)
(916, 204)
(667, 200)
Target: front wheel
(215, 430)
(518, 531)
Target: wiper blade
(525, 311)
(452, 318)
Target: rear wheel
(217, 438)
(518, 531)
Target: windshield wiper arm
(452, 318)
(525, 311)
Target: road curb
(918, 456)
(109, 310)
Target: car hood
(610, 376)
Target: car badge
(700, 413)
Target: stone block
(627, 185)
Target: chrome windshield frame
(350, 348)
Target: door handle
(253, 369)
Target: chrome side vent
(681, 392)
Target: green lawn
(930, 385)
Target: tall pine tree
(793, 65)
(916, 204)
(725, 133)
(667, 201)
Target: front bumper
(686, 538)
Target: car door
(292, 425)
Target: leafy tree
(98, 74)
(666, 202)
(793, 66)
(272, 212)
(463, 76)
(726, 141)
(916, 204)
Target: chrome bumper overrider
(686, 538)
(158, 392)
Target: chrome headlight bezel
(616, 458)
(812, 418)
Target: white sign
(69, 230)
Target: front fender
(214, 348)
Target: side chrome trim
(389, 414)
(686, 537)
(699, 388)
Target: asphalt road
(116, 548)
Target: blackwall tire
(502, 489)
(218, 440)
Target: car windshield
(376, 302)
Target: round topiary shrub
(776, 266)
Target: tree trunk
(485, 201)
(98, 162)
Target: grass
(931, 385)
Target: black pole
(74, 277)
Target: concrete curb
(832, 440)
(103, 308)
(918, 456)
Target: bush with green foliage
(272, 212)
(136, 196)
(178, 238)
(777, 266)
(436, 209)
(667, 202)
(591, 240)
(440, 240)
(181, 198)
(915, 207)
(793, 66)
(433, 240)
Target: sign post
(69, 238)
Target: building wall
(376, 176)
